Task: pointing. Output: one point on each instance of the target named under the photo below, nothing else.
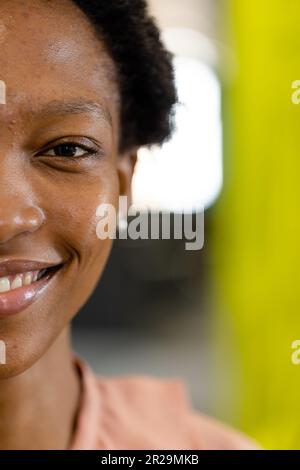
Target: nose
(20, 212)
(17, 218)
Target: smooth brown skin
(50, 56)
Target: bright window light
(186, 173)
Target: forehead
(49, 50)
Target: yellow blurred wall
(257, 236)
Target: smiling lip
(17, 299)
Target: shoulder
(161, 410)
(145, 412)
(215, 435)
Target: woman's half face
(58, 161)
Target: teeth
(27, 280)
(19, 280)
(16, 283)
(4, 284)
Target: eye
(72, 148)
(67, 150)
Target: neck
(38, 407)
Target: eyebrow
(78, 106)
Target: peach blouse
(141, 412)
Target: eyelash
(89, 150)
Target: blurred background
(223, 318)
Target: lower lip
(14, 301)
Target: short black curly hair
(146, 75)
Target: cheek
(73, 221)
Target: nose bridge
(19, 213)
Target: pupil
(65, 150)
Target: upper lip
(12, 267)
